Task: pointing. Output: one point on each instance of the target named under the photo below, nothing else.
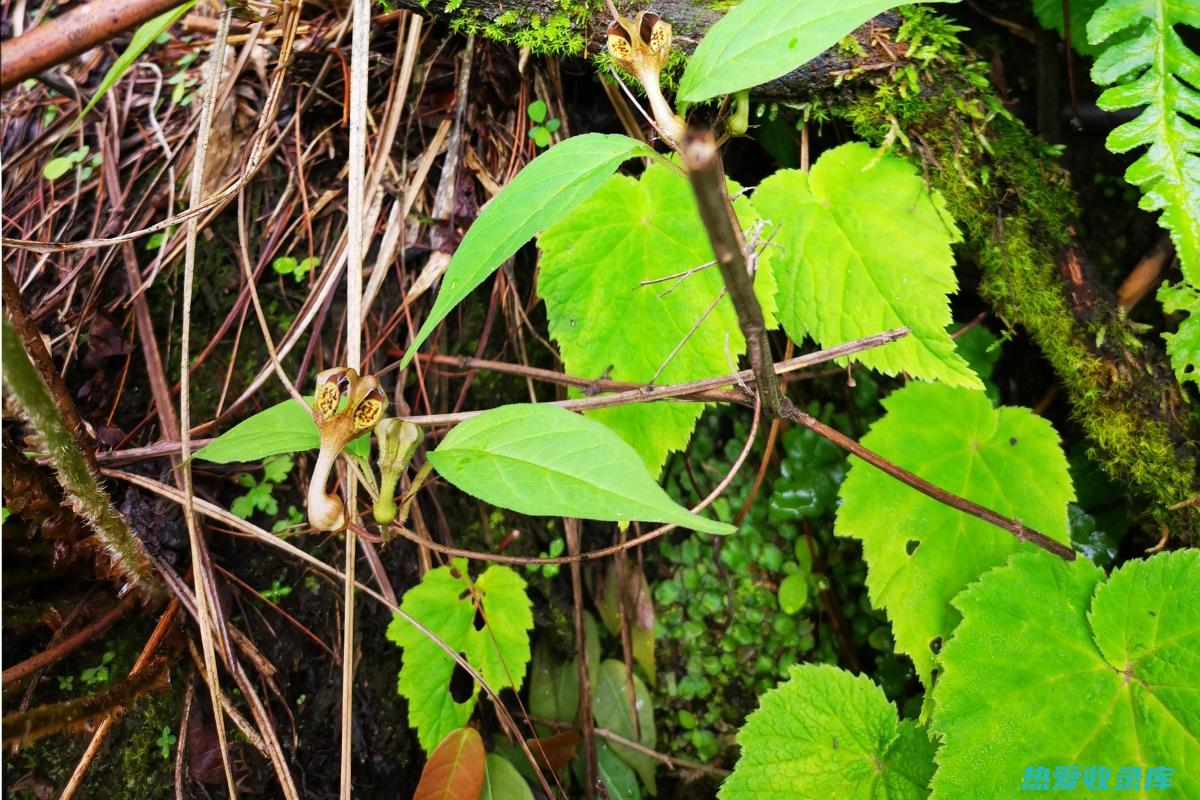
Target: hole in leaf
(1013, 441)
(935, 646)
(479, 623)
(462, 685)
(911, 546)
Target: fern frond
(1153, 69)
(1183, 346)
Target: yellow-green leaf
(864, 247)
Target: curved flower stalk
(338, 423)
(640, 47)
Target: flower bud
(397, 441)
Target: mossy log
(1019, 215)
(910, 84)
(577, 28)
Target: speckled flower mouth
(338, 422)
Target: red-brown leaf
(555, 751)
(455, 768)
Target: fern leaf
(1154, 70)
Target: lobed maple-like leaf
(827, 733)
(864, 247)
(1055, 667)
(607, 324)
(445, 602)
(921, 553)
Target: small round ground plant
(1039, 671)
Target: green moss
(1017, 210)
(850, 46)
(553, 35)
(131, 765)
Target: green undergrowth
(733, 615)
(130, 767)
(1017, 211)
(553, 34)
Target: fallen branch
(1013, 526)
(690, 20)
(23, 727)
(67, 645)
(72, 33)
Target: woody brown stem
(67, 35)
(703, 161)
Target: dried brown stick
(572, 528)
(594, 386)
(646, 394)
(72, 33)
(208, 605)
(700, 390)
(68, 645)
(671, 762)
(156, 637)
(29, 726)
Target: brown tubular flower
(339, 424)
(641, 47)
